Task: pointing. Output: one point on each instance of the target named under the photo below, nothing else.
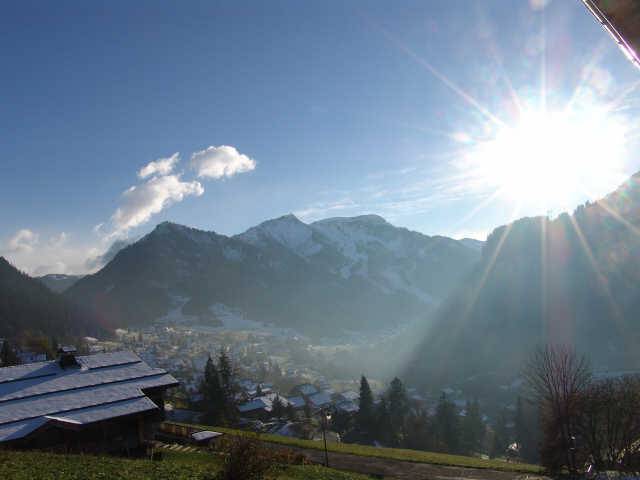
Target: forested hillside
(573, 280)
(28, 306)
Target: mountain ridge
(573, 280)
(356, 274)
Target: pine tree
(398, 404)
(384, 427)
(8, 356)
(213, 395)
(446, 426)
(472, 428)
(500, 435)
(365, 417)
(278, 408)
(291, 413)
(227, 385)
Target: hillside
(174, 466)
(573, 280)
(27, 305)
(323, 278)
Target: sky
(116, 116)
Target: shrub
(248, 459)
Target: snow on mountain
(359, 273)
(288, 231)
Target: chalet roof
(262, 403)
(100, 387)
(296, 402)
(350, 395)
(307, 389)
(320, 399)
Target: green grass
(388, 453)
(174, 466)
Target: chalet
(347, 406)
(95, 403)
(320, 400)
(348, 396)
(297, 403)
(305, 390)
(260, 407)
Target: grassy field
(389, 453)
(174, 466)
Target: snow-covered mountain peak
(287, 230)
(361, 220)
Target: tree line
(393, 421)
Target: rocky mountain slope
(573, 280)
(324, 278)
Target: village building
(95, 403)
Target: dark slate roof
(103, 386)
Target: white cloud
(142, 201)
(219, 162)
(55, 255)
(57, 241)
(22, 241)
(162, 166)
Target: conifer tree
(472, 428)
(365, 418)
(278, 408)
(446, 426)
(213, 396)
(398, 405)
(384, 427)
(227, 385)
(8, 356)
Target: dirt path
(403, 470)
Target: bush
(248, 459)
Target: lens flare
(547, 158)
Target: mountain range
(570, 280)
(323, 279)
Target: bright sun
(547, 159)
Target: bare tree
(557, 378)
(609, 423)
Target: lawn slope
(174, 466)
(387, 453)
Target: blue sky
(328, 108)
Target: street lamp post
(324, 420)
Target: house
(95, 403)
(297, 403)
(306, 390)
(347, 406)
(320, 400)
(260, 407)
(348, 396)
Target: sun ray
(489, 265)
(483, 204)
(594, 264)
(440, 76)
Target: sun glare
(547, 159)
